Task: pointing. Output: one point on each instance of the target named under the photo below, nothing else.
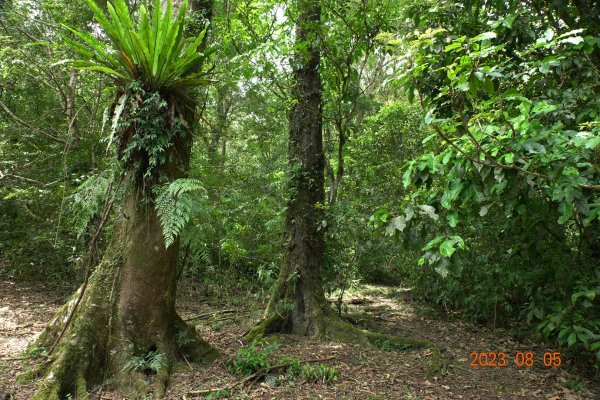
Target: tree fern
(174, 204)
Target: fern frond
(87, 200)
(174, 204)
(150, 48)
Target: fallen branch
(255, 376)
(202, 316)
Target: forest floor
(364, 373)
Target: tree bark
(127, 310)
(299, 290)
(123, 317)
(298, 304)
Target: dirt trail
(365, 373)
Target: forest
(303, 199)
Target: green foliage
(293, 365)
(87, 201)
(152, 49)
(152, 362)
(174, 205)
(356, 248)
(36, 351)
(148, 130)
(514, 173)
(253, 358)
(319, 373)
(575, 323)
(309, 372)
(220, 394)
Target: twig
(18, 358)
(27, 125)
(201, 316)
(255, 375)
(493, 164)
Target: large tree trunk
(126, 316)
(121, 325)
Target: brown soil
(364, 373)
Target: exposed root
(65, 376)
(191, 346)
(90, 353)
(271, 324)
(331, 327)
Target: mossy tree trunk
(299, 293)
(125, 327)
(121, 326)
(298, 304)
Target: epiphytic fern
(174, 204)
(151, 48)
(87, 201)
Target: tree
(300, 278)
(298, 304)
(122, 322)
(509, 92)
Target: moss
(438, 364)
(96, 345)
(191, 345)
(81, 388)
(331, 327)
(268, 325)
(31, 374)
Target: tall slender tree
(298, 304)
(300, 280)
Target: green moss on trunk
(126, 314)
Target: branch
(27, 125)
(494, 164)
(201, 316)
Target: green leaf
(173, 206)
(566, 212)
(484, 36)
(463, 84)
(572, 339)
(116, 117)
(509, 20)
(452, 218)
(430, 211)
(593, 142)
(433, 242)
(152, 49)
(447, 248)
(484, 210)
(543, 108)
(442, 270)
(397, 223)
(563, 332)
(576, 40)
